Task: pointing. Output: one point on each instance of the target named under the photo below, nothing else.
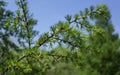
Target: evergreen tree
(6, 44)
(18, 26)
(107, 46)
(86, 44)
(5, 33)
(24, 25)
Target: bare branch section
(24, 56)
(44, 41)
(66, 41)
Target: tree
(5, 33)
(83, 45)
(6, 44)
(18, 26)
(24, 25)
(108, 44)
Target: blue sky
(49, 12)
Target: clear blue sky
(49, 12)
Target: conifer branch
(66, 41)
(25, 20)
